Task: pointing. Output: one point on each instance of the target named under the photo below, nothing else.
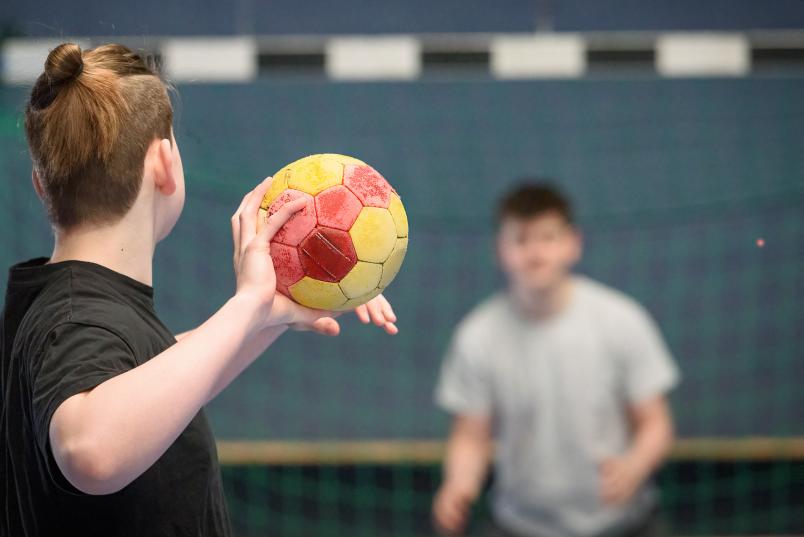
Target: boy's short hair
(531, 198)
(89, 121)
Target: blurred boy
(569, 375)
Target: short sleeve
(74, 358)
(648, 367)
(464, 386)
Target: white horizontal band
(404, 57)
(23, 60)
(213, 59)
(372, 58)
(553, 56)
(702, 55)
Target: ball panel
(287, 265)
(299, 161)
(352, 303)
(391, 267)
(369, 186)
(327, 254)
(279, 183)
(343, 159)
(337, 207)
(373, 234)
(317, 294)
(399, 215)
(362, 279)
(300, 224)
(315, 173)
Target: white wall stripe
(213, 59)
(401, 57)
(553, 56)
(23, 60)
(373, 58)
(691, 54)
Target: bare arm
(104, 438)
(653, 433)
(465, 467)
(652, 424)
(181, 335)
(378, 311)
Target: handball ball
(347, 244)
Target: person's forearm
(113, 433)
(652, 441)
(252, 348)
(182, 335)
(467, 461)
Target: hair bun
(64, 63)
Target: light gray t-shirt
(557, 391)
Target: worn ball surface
(347, 244)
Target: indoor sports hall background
(688, 177)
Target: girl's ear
(37, 184)
(164, 176)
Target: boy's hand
(255, 274)
(378, 311)
(254, 269)
(620, 477)
(451, 508)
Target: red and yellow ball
(349, 241)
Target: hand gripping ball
(347, 244)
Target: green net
(674, 180)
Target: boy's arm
(377, 310)
(106, 437)
(180, 335)
(466, 462)
(652, 424)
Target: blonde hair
(89, 121)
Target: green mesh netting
(674, 180)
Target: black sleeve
(74, 358)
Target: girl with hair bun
(102, 428)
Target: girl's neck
(119, 247)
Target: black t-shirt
(67, 327)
